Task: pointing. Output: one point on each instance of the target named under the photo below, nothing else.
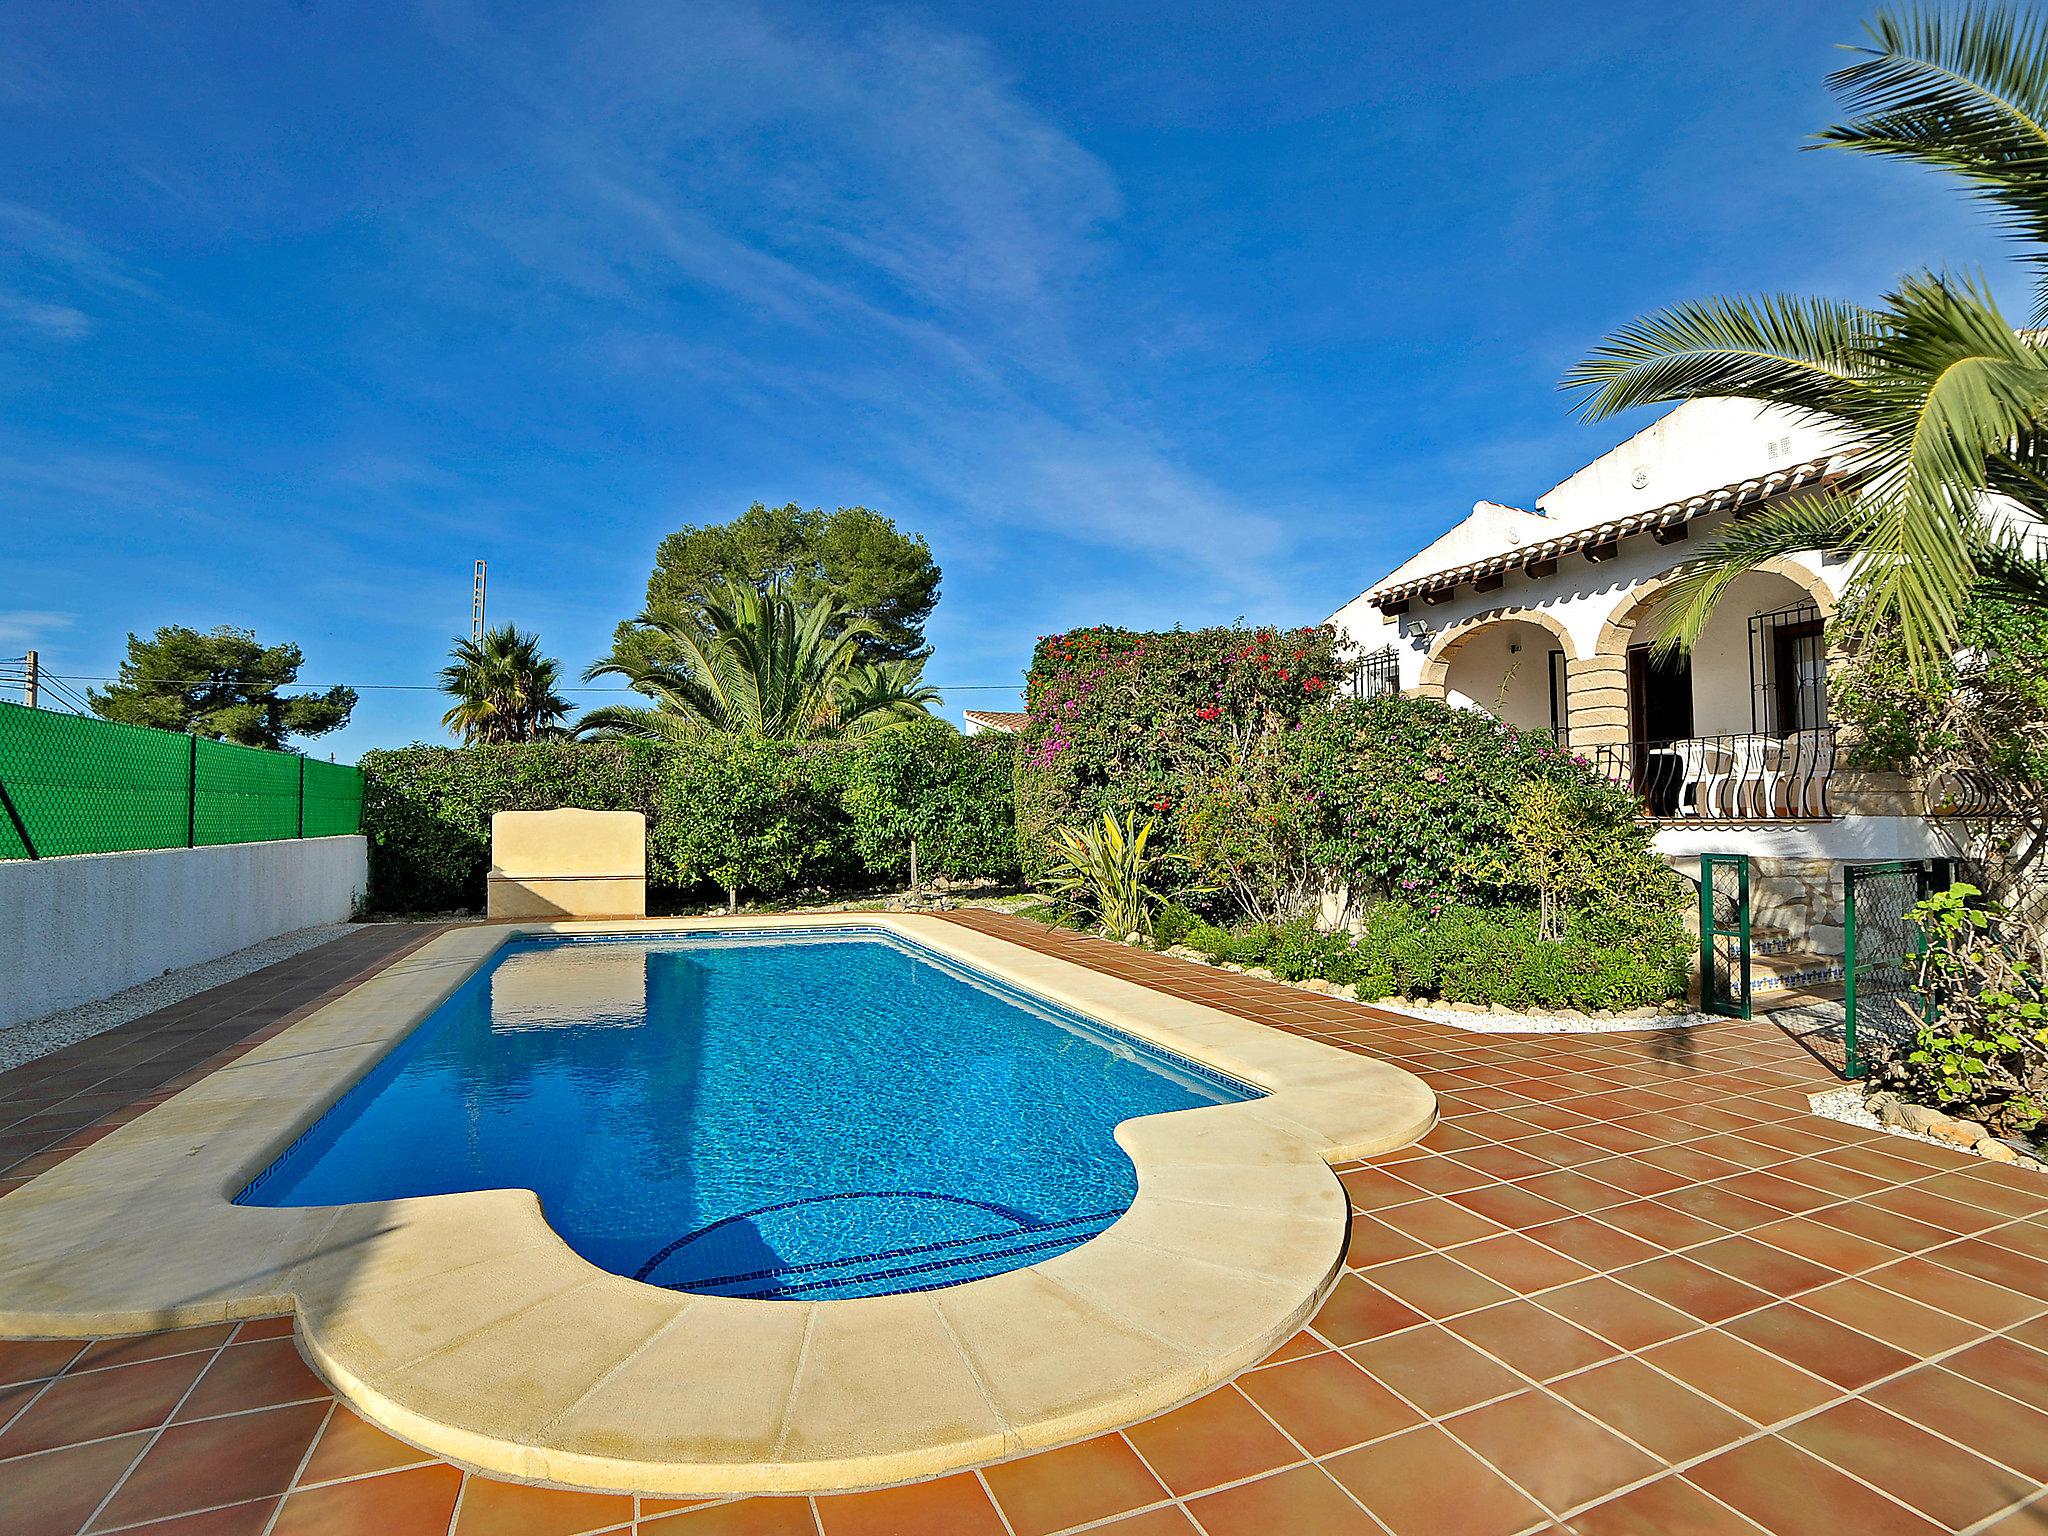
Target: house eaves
(1667, 524)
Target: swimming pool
(784, 1115)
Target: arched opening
(1737, 727)
(1511, 667)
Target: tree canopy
(504, 689)
(222, 683)
(771, 667)
(854, 555)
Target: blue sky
(1141, 315)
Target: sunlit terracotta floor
(1629, 1285)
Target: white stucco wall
(79, 928)
(1854, 839)
(1698, 446)
(1489, 674)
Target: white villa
(1537, 616)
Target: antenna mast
(476, 605)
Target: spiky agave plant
(1102, 870)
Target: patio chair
(1757, 769)
(1702, 772)
(1811, 756)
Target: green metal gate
(1880, 1001)
(1724, 934)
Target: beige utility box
(568, 864)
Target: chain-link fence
(1724, 934)
(73, 784)
(1883, 1005)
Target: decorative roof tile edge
(1740, 493)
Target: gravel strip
(1546, 1023)
(67, 1026)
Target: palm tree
(504, 689)
(1946, 400)
(771, 667)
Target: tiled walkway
(1629, 1285)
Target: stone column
(1596, 702)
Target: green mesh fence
(73, 784)
(244, 794)
(334, 799)
(76, 785)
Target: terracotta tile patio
(1630, 1286)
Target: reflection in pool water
(792, 1115)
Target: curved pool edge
(462, 1323)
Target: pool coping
(463, 1324)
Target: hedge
(773, 818)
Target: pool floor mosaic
(1629, 1285)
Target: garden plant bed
(1493, 1019)
(1888, 1112)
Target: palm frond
(1962, 91)
(1950, 388)
(503, 687)
(772, 667)
(636, 722)
(2013, 566)
(1816, 520)
(1781, 348)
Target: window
(1788, 671)
(1378, 675)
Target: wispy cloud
(61, 322)
(881, 195)
(22, 627)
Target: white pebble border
(1850, 1106)
(1491, 1023)
(53, 1031)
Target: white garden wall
(79, 928)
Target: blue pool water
(791, 1116)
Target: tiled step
(1798, 997)
(1793, 970)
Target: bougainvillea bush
(1135, 723)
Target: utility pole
(476, 606)
(30, 679)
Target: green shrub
(748, 815)
(1172, 924)
(1418, 801)
(1302, 952)
(427, 810)
(847, 810)
(1251, 945)
(1497, 955)
(1983, 1051)
(1051, 913)
(1212, 941)
(950, 792)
